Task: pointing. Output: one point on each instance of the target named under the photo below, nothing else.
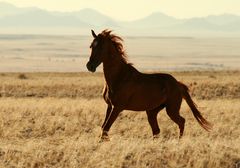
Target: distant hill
(41, 18)
(31, 19)
(222, 19)
(94, 18)
(8, 9)
(154, 20)
(195, 24)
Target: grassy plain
(54, 119)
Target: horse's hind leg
(172, 109)
(152, 119)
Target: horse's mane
(117, 42)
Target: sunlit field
(54, 119)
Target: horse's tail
(202, 121)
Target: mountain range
(17, 19)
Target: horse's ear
(94, 34)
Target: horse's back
(166, 82)
(161, 78)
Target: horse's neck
(114, 71)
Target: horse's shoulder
(106, 94)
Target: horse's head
(96, 57)
(105, 46)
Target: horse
(127, 88)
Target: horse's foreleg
(112, 117)
(104, 136)
(108, 112)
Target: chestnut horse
(128, 89)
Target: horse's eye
(95, 43)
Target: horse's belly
(146, 102)
(142, 99)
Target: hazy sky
(133, 9)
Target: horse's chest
(107, 95)
(115, 97)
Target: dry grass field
(54, 119)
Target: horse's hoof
(156, 137)
(104, 139)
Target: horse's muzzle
(91, 67)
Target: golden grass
(60, 128)
(203, 85)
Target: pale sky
(134, 9)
